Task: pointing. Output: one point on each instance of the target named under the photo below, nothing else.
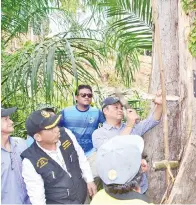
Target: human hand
(132, 117)
(92, 188)
(158, 98)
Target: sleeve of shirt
(98, 139)
(21, 143)
(145, 125)
(84, 165)
(62, 121)
(34, 183)
(101, 117)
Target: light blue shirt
(106, 132)
(29, 141)
(13, 189)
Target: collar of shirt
(109, 127)
(56, 155)
(58, 144)
(13, 144)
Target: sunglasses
(83, 95)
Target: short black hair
(82, 87)
(49, 110)
(127, 187)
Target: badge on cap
(45, 114)
(112, 174)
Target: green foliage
(128, 31)
(141, 106)
(190, 6)
(192, 39)
(18, 15)
(46, 69)
(50, 70)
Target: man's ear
(76, 97)
(37, 137)
(105, 110)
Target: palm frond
(49, 67)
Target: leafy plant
(192, 39)
(128, 30)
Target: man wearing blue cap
(119, 166)
(13, 189)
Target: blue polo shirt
(13, 189)
(82, 124)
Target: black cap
(109, 101)
(8, 111)
(41, 120)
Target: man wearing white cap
(119, 166)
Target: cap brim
(8, 112)
(135, 140)
(115, 101)
(53, 122)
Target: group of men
(65, 153)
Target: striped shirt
(82, 124)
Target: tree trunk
(178, 65)
(184, 187)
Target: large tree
(179, 64)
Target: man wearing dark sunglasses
(82, 120)
(13, 189)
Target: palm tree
(129, 29)
(49, 70)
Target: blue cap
(109, 101)
(7, 112)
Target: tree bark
(154, 146)
(184, 187)
(179, 64)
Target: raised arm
(158, 106)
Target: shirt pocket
(75, 163)
(50, 177)
(73, 157)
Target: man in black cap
(113, 112)
(55, 168)
(13, 189)
(47, 107)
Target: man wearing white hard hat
(119, 167)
